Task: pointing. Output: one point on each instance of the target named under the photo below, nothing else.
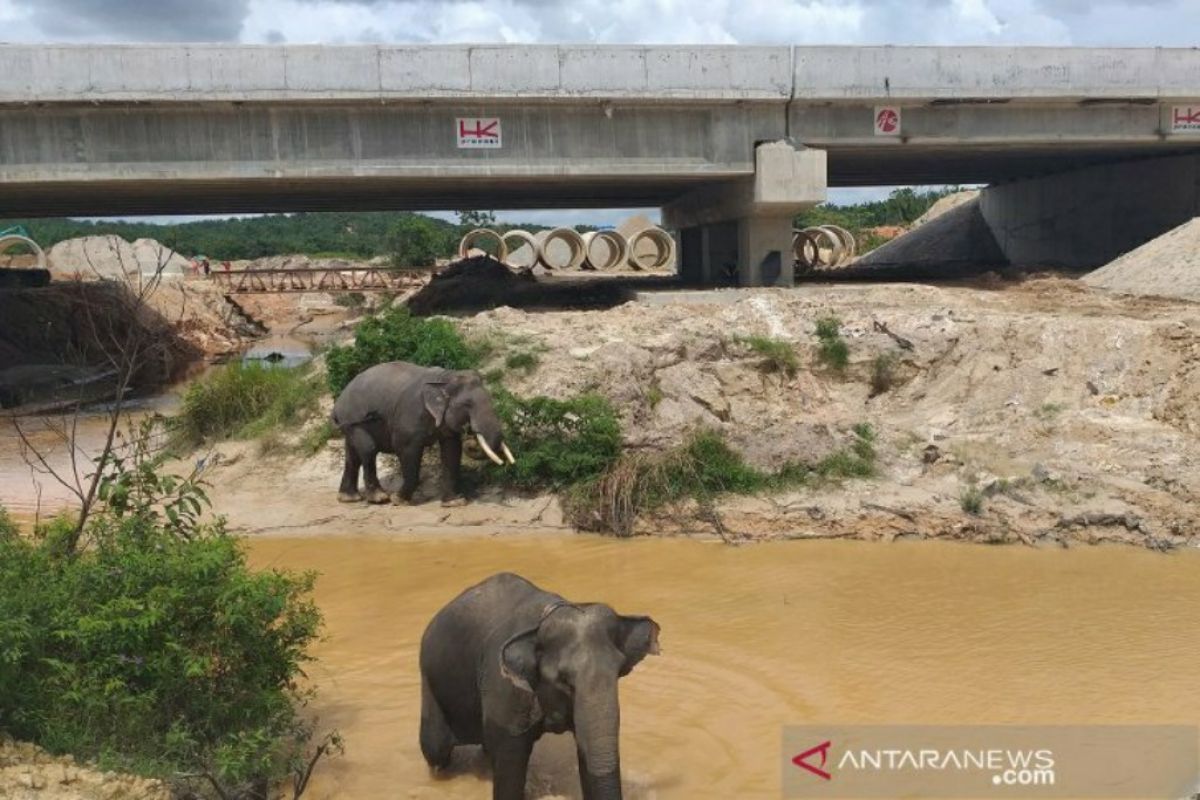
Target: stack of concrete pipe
(822, 247)
(564, 249)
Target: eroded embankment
(1041, 412)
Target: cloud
(137, 20)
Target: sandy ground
(29, 773)
(1073, 413)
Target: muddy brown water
(755, 638)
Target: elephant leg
(348, 491)
(510, 761)
(410, 471)
(451, 451)
(437, 740)
(374, 492)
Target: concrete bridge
(730, 141)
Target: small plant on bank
(832, 349)
(245, 400)
(777, 354)
(523, 360)
(971, 500)
(701, 469)
(1049, 411)
(654, 396)
(350, 299)
(883, 373)
(396, 335)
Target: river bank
(1036, 412)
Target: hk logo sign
(478, 132)
(1185, 119)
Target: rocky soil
(30, 773)
(1042, 411)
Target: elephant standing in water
(402, 408)
(505, 662)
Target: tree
(469, 220)
(414, 242)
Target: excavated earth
(29, 773)
(1065, 413)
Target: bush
(701, 469)
(396, 335)
(832, 349)
(522, 360)
(971, 501)
(245, 400)
(883, 373)
(557, 443)
(778, 355)
(155, 649)
(415, 242)
(350, 299)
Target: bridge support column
(741, 232)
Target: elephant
(505, 662)
(403, 408)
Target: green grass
(777, 354)
(522, 360)
(832, 349)
(701, 469)
(1048, 411)
(314, 439)
(245, 401)
(654, 396)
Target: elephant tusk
(490, 452)
(508, 453)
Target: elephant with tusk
(403, 408)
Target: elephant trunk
(486, 426)
(597, 729)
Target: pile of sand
(107, 257)
(1168, 266)
(947, 203)
(29, 772)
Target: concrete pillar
(741, 231)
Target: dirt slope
(1167, 266)
(1074, 415)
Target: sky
(1110, 23)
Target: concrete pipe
(829, 246)
(652, 248)
(14, 239)
(562, 249)
(605, 250)
(464, 246)
(805, 250)
(849, 246)
(525, 253)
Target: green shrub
(396, 335)
(557, 443)
(314, 439)
(155, 648)
(778, 355)
(350, 299)
(971, 501)
(701, 469)
(245, 400)
(832, 349)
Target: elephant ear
(519, 660)
(638, 639)
(436, 401)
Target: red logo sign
(801, 760)
(478, 132)
(1185, 118)
(887, 121)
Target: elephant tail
(344, 426)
